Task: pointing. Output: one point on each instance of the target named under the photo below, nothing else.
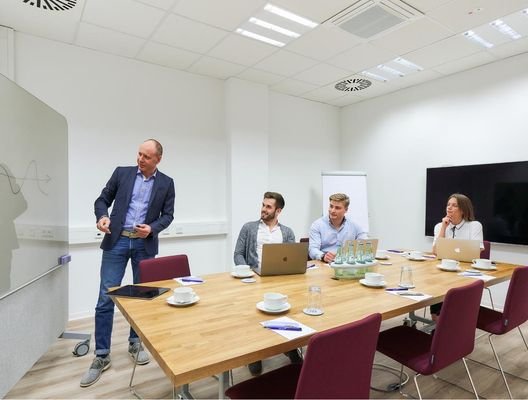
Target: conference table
(222, 331)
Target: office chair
(337, 364)
(485, 252)
(515, 313)
(453, 339)
(305, 240)
(162, 268)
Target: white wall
(304, 140)
(112, 104)
(226, 143)
(474, 117)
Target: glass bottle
(369, 257)
(351, 259)
(360, 253)
(339, 255)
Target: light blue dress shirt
(325, 237)
(137, 209)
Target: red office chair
(485, 252)
(337, 364)
(453, 339)
(515, 313)
(162, 268)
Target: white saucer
(261, 307)
(379, 285)
(440, 266)
(248, 280)
(417, 259)
(311, 311)
(171, 301)
(246, 275)
(493, 268)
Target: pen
(192, 280)
(310, 266)
(396, 289)
(284, 327)
(411, 294)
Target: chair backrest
(454, 335)
(338, 362)
(162, 268)
(304, 240)
(516, 305)
(485, 252)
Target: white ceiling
(198, 36)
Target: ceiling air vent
(368, 18)
(53, 5)
(353, 85)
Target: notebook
(457, 249)
(283, 259)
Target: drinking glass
(406, 277)
(360, 254)
(351, 259)
(339, 255)
(315, 301)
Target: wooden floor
(57, 374)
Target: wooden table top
(223, 331)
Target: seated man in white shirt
(332, 230)
(248, 249)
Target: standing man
(143, 206)
(248, 249)
(331, 230)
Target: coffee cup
(183, 294)
(381, 254)
(274, 301)
(449, 264)
(241, 269)
(373, 278)
(482, 263)
(416, 254)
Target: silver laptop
(283, 259)
(458, 249)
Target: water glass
(315, 301)
(339, 255)
(351, 259)
(406, 277)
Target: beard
(268, 216)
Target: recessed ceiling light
(390, 70)
(260, 37)
(408, 64)
(289, 15)
(274, 27)
(374, 76)
(505, 29)
(477, 39)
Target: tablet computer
(139, 292)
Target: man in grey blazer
(248, 249)
(142, 200)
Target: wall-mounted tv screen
(499, 193)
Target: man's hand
(143, 230)
(104, 224)
(329, 257)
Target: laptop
(457, 249)
(283, 259)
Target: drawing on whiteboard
(13, 205)
(15, 189)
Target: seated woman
(459, 223)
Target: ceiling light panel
(275, 26)
(477, 39)
(505, 29)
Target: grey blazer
(246, 246)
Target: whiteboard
(353, 184)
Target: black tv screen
(499, 193)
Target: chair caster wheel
(81, 348)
